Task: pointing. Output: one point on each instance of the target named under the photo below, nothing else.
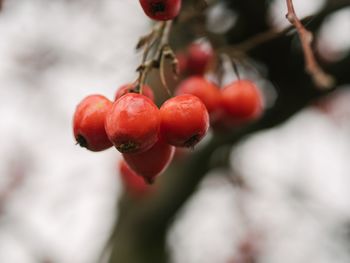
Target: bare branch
(320, 78)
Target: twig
(166, 53)
(157, 39)
(320, 78)
(245, 46)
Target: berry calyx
(200, 87)
(131, 88)
(184, 120)
(161, 9)
(133, 183)
(151, 163)
(132, 124)
(88, 123)
(241, 100)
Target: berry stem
(235, 68)
(158, 42)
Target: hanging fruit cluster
(146, 135)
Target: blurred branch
(242, 48)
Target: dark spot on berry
(127, 147)
(191, 142)
(157, 7)
(81, 141)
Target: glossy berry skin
(134, 184)
(161, 9)
(132, 124)
(241, 100)
(206, 91)
(184, 120)
(130, 88)
(199, 58)
(152, 162)
(88, 123)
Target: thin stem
(165, 33)
(239, 50)
(235, 68)
(148, 43)
(158, 39)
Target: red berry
(221, 121)
(161, 9)
(130, 88)
(181, 62)
(132, 124)
(200, 56)
(88, 123)
(184, 120)
(152, 162)
(133, 182)
(241, 100)
(208, 92)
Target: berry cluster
(146, 135)
(236, 103)
(143, 133)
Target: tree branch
(320, 78)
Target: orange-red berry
(152, 162)
(88, 123)
(242, 100)
(205, 90)
(184, 120)
(132, 124)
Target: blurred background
(58, 202)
